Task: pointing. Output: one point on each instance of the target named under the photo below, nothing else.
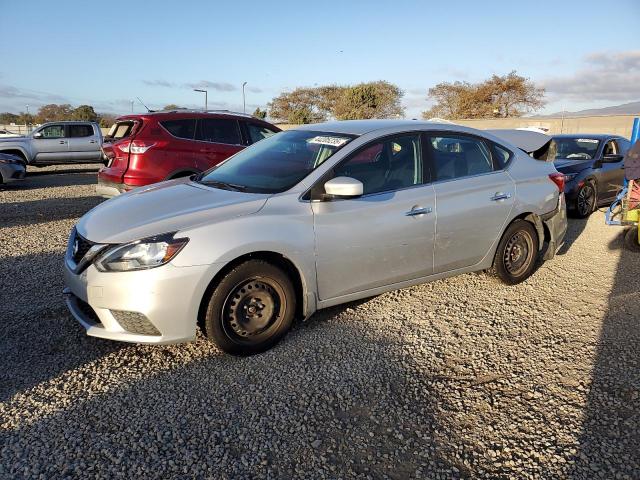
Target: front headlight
(141, 254)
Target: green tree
(85, 113)
(260, 113)
(369, 100)
(172, 106)
(26, 119)
(303, 103)
(106, 119)
(54, 113)
(499, 96)
(8, 117)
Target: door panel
(52, 146)
(610, 175)
(84, 144)
(470, 216)
(371, 241)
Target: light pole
(206, 105)
(131, 106)
(244, 105)
(26, 120)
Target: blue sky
(586, 53)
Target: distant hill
(631, 108)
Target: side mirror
(37, 135)
(344, 187)
(613, 158)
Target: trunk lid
(115, 151)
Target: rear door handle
(418, 211)
(500, 196)
(92, 141)
(62, 142)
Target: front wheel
(516, 254)
(251, 309)
(586, 200)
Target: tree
(8, 117)
(499, 96)
(25, 119)
(85, 113)
(260, 113)
(301, 104)
(369, 100)
(309, 105)
(172, 106)
(54, 113)
(106, 119)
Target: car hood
(164, 207)
(570, 166)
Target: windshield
(573, 148)
(120, 130)
(277, 163)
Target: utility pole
(244, 104)
(206, 104)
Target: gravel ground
(458, 378)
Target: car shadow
(53, 178)
(33, 212)
(575, 227)
(351, 403)
(609, 443)
(39, 339)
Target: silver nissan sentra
(306, 219)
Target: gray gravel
(458, 378)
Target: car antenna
(148, 109)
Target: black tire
(251, 309)
(516, 254)
(586, 200)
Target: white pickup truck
(57, 143)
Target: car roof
(360, 127)
(590, 136)
(182, 113)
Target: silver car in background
(306, 219)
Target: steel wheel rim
(253, 310)
(518, 253)
(586, 196)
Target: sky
(585, 53)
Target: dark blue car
(593, 169)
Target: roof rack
(190, 110)
(231, 112)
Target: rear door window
(457, 156)
(258, 132)
(184, 128)
(77, 131)
(218, 130)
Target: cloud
(218, 86)
(605, 76)
(159, 83)
(33, 96)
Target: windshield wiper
(224, 185)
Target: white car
(306, 219)
(7, 134)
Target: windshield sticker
(331, 141)
(586, 140)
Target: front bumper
(155, 306)
(12, 172)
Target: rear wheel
(516, 254)
(586, 200)
(251, 309)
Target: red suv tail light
(558, 179)
(137, 146)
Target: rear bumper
(556, 224)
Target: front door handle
(500, 196)
(62, 142)
(418, 211)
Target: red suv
(152, 147)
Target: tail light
(137, 146)
(558, 179)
